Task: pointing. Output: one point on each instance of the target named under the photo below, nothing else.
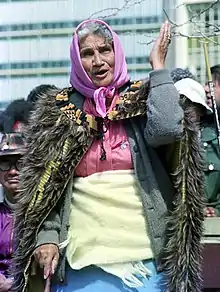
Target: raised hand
(159, 51)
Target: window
(8, 1)
(71, 24)
(3, 66)
(4, 27)
(44, 25)
(139, 20)
(14, 27)
(140, 60)
(58, 63)
(216, 16)
(25, 26)
(129, 60)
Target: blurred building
(210, 21)
(194, 18)
(35, 38)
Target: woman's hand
(47, 256)
(159, 51)
(5, 284)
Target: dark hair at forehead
(215, 70)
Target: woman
(96, 194)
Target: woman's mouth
(100, 74)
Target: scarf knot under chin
(100, 96)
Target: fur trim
(185, 225)
(56, 144)
(131, 103)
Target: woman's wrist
(157, 66)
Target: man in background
(12, 147)
(211, 148)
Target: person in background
(38, 91)
(215, 71)
(193, 101)
(209, 143)
(12, 147)
(194, 92)
(15, 117)
(211, 148)
(178, 74)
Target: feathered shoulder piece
(131, 102)
(58, 136)
(183, 250)
(55, 143)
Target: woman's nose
(97, 61)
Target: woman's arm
(49, 232)
(164, 114)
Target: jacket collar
(208, 133)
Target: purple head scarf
(81, 81)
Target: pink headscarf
(81, 81)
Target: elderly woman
(94, 193)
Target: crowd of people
(107, 183)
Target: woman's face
(98, 59)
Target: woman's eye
(106, 49)
(86, 54)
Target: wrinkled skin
(98, 59)
(10, 179)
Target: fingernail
(46, 274)
(53, 267)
